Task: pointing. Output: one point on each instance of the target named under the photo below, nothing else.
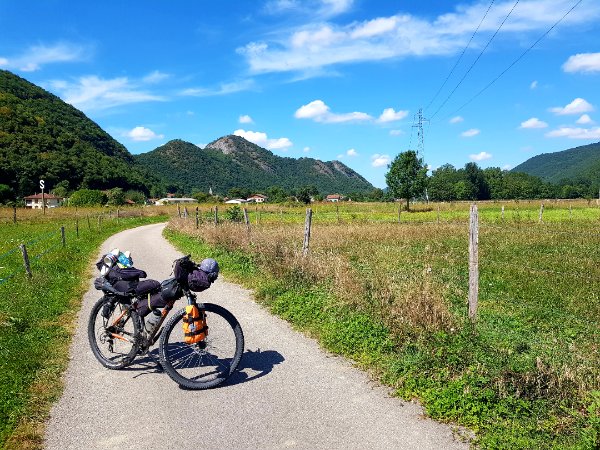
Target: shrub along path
(288, 393)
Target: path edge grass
(49, 382)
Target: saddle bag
(194, 325)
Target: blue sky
(328, 79)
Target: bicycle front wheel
(208, 363)
(113, 332)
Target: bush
(87, 197)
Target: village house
(35, 201)
(333, 198)
(166, 201)
(257, 198)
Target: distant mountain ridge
(42, 137)
(233, 162)
(577, 165)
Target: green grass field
(37, 314)
(392, 296)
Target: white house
(257, 198)
(333, 198)
(35, 201)
(166, 201)
(236, 201)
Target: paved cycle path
(288, 393)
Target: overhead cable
(477, 59)
(516, 60)
(460, 57)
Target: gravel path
(288, 394)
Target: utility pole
(418, 122)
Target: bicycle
(117, 334)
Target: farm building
(35, 201)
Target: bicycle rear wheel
(208, 363)
(114, 339)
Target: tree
(441, 184)
(6, 193)
(407, 176)
(116, 197)
(87, 197)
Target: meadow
(390, 292)
(37, 314)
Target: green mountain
(42, 137)
(580, 165)
(232, 161)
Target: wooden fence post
(337, 211)
(216, 216)
(25, 260)
(399, 210)
(570, 213)
(77, 227)
(196, 217)
(541, 216)
(307, 226)
(118, 214)
(503, 213)
(15, 213)
(247, 220)
(185, 212)
(62, 236)
(88, 221)
(473, 262)
(438, 214)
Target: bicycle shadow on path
(258, 363)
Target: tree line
(407, 178)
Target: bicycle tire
(206, 364)
(111, 351)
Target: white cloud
(246, 119)
(352, 152)
(92, 93)
(482, 156)
(340, 156)
(577, 106)
(396, 132)
(584, 120)
(533, 85)
(143, 134)
(306, 149)
(470, 133)
(378, 160)
(318, 111)
(583, 62)
(534, 122)
(457, 119)
(38, 55)
(222, 89)
(576, 133)
(506, 167)
(263, 140)
(389, 115)
(318, 43)
(374, 27)
(155, 77)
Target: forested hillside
(233, 162)
(42, 137)
(580, 165)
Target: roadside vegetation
(37, 314)
(392, 296)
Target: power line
(477, 59)
(517, 60)
(460, 57)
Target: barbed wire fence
(33, 250)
